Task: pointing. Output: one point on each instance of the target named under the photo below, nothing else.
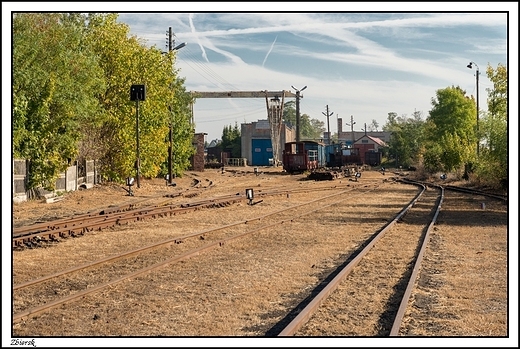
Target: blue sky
(360, 64)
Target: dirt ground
(212, 182)
(467, 292)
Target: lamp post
(328, 123)
(470, 66)
(365, 129)
(352, 123)
(170, 145)
(298, 111)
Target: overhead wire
(193, 60)
(201, 67)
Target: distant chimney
(340, 126)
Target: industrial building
(256, 142)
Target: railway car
(338, 155)
(373, 158)
(302, 156)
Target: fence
(236, 161)
(82, 175)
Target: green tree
(72, 75)
(309, 128)
(127, 61)
(289, 113)
(183, 129)
(55, 80)
(492, 163)
(231, 140)
(407, 138)
(316, 129)
(374, 126)
(391, 122)
(450, 133)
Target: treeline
(72, 75)
(451, 139)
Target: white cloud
(387, 65)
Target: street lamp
(328, 123)
(352, 123)
(179, 46)
(470, 66)
(170, 146)
(298, 111)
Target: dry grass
(247, 286)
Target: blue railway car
(339, 155)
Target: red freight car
(299, 157)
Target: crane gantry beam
(274, 114)
(242, 94)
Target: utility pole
(328, 124)
(478, 145)
(170, 145)
(352, 129)
(298, 96)
(171, 47)
(470, 66)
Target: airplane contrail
(197, 37)
(267, 55)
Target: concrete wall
(69, 180)
(19, 175)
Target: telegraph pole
(352, 129)
(328, 124)
(298, 96)
(478, 145)
(470, 66)
(170, 145)
(171, 47)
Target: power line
(328, 123)
(206, 72)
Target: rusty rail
(311, 308)
(415, 273)
(33, 311)
(79, 225)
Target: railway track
(348, 304)
(207, 236)
(394, 273)
(382, 315)
(53, 231)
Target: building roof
(379, 141)
(213, 143)
(376, 140)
